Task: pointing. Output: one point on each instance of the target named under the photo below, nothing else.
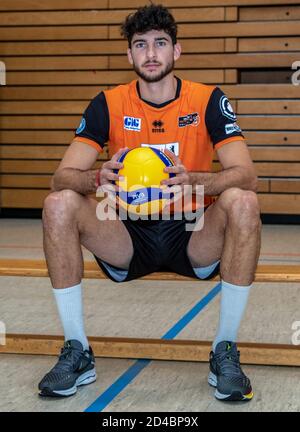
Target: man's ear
(129, 56)
(177, 51)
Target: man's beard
(154, 78)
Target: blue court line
(108, 395)
(173, 332)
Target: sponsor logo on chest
(189, 120)
(172, 147)
(132, 123)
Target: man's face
(153, 55)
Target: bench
(158, 349)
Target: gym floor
(147, 309)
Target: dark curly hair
(146, 18)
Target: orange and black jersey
(197, 121)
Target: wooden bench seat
(38, 268)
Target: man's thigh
(107, 239)
(205, 246)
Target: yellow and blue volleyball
(140, 189)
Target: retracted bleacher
(58, 55)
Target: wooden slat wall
(59, 55)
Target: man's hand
(181, 177)
(174, 186)
(107, 175)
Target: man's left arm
(238, 171)
(233, 153)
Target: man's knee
(241, 206)
(59, 206)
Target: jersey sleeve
(220, 120)
(94, 126)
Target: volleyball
(140, 189)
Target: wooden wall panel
(271, 44)
(59, 55)
(267, 138)
(232, 29)
(40, 152)
(23, 5)
(86, 92)
(102, 17)
(279, 203)
(118, 4)
(286, 106)
(23, 198)
(270, 13)
(284, 186)
(222, 60)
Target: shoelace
(229, 362)
(67, 359)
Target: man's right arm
(74, 171)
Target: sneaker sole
(234, 396)
(84, 379)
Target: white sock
(234, 299)
(69, 304)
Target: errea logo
(132, 123)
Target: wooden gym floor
(147, 309)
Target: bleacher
(59, 54)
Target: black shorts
(159, 245)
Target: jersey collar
(179, 85)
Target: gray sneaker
(75, 367)
(226, 374)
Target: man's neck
(158, 92)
